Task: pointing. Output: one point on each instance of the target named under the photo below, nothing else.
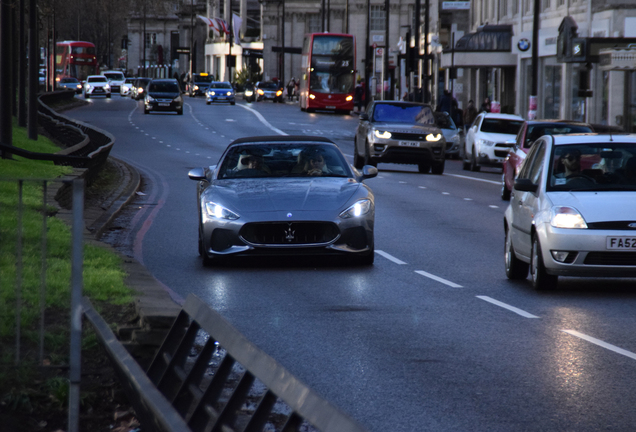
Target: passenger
(314, 163)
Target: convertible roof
(281, 138)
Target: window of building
(560, 3)
(377, 18)
(313, 23)
(515, 7)
(151, 39)
(504, 8)
(545, 4)
(552, 92)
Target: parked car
(530, 131)
(127, 86)
(163, 95)
(199, 84)
(220, 92)
(489, 139)
(573, 210)
(116, 79)
(96, 85)
(399, 132)
(453, 135)
(249, 94)
(139, 89)
(264, 198)
(269, 90)
(70, 84)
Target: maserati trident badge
(290, 233)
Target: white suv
(96, 85)
(489, 139)
(116, 79)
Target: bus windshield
(331, 64)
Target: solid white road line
(390, 257)
(438, 279)
(262, 119)
(602, 344)
(507, 306)
(474, 178)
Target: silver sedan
(573, 210)
(291, 195)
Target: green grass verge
(103, 275)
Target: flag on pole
(216, 24)
(236, 24)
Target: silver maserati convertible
(284, 195)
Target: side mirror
(197, 174)
(364, 116)
(525, 185)
(369, 171)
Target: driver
(571, 161)
(248, 161)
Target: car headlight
(279, 92)
(220, 212)
(260, 92)
(150, 99)
(349, 98)
(383, 135)
(140, 90)
(177, 99)
(229, 93)
(106, 87)
(249, 92)
(79, 86)
(195, 88)
(360, 208)
(433, 137)
(312, 96)
(486, 142)
(211, 93)
(455, 139)
(566, 217)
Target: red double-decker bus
(75, 59)
(327, 81)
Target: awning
(489, 46)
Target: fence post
(77, 253)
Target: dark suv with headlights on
(163, 95)
(402, 133)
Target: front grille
(408, 136)
(502, 149)
(289, 233)
(611, 258)
(612, 225)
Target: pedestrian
(297, 90)
(470, 113)
(358, 94)
(445, 103)
(485, 107)
(291, 85)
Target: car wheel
(208, 102)
(505, 192)
(180, 112)
(86, 96)
(465, 162)
(367, 259)
(438, 168)
(515, 268)
(358, 162)
(232, 103)
(146, 111)
(473, 162)
(541, 280)
(424, 168)
(108, 96)
(367, 157)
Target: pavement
(155, 307)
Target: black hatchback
(163, 95)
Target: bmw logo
(523, 44)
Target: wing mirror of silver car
(364, 116)
(525, 185)
(197, 174)
(369, 171)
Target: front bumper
(588, 255)
(163, 105)
(97, 91)
(493, 155)
(390, 151)
(220, 98)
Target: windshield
(114, 76)
(163, 87)
(332, 65)
(593, 167)
(97, 79)
(503, 126)
(401, 113)
(444, 121)
(283, 160)
(221, 85)
(268, 86)
(203, 78)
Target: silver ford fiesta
(284, 195)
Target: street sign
(378, 51)
(183, 50)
